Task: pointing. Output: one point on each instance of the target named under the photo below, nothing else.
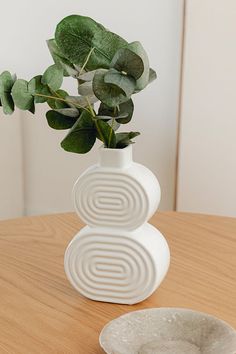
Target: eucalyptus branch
(63, 100)
(110, 70)
(95, 121)
(86, 61)
(110, 134)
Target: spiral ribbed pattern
(110, 268)
(111, 199)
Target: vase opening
(118, 158)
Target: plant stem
(95, 121)
(110, 133)
(61, 99)
(86, 61)
(112, 125)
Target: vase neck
(118, 158)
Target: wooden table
(41, 313)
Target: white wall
(11, 168)
(49, 172)
(207, 169)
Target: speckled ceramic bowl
(168, 331)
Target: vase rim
(115, 157)
(128, 147)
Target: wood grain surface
(40, 313)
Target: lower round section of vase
(116, 266)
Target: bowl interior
(168, 331)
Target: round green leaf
(69, 112)
(86, 89)
(6, 83)
(7, 103)
(35, 86)
(57, 104)
(129, 62)
(60, 60)
(22, 98)
(53, 77)
(82, 135)
(124, 82)
(110, 95)
(80, 38)
(152, 75)
(80, 101)
(106, 133)
(123, 113)
(138, 49)
(124, 139)
(59, 121)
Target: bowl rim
(150, 309)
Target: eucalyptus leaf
(152, 75)
(129, 62)
(138, 49)
(59, 121)
(110, 95)
(69, 112)
(53, 77)
(21, 95)
(6, 84)
(60, 60)
(88, 76)
(124, 139)
(106, 133)
(35, 86)
(80, 38)
(7, 103)
(86, 89)
(80, 101)
(81, 136)
(113, 123)
(55, 103)
(123, 113)
(124, 82)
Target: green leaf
(88, 76)
(86, 89)
(59, 121)
(69, 112)
(129, 62)
(53, 77)
(57, 104)
(77, 35)
(124, 139)
(60, 60)
(106, 134)
(123, 113)
(113, 124)
(110, 95)
(152, 75)
(82, 135)
(35, 86)
(124, 82)
(22, 98)
(138, 49)
(6, 84)
(7, 103)
(80, 101)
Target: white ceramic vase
(118, 257)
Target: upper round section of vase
(117, 193)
